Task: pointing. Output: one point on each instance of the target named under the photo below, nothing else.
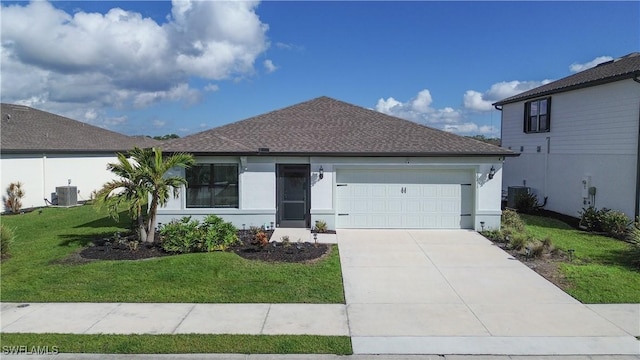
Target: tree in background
(140, 180)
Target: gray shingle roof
(325, 126)
(26, 129)
(622, 68)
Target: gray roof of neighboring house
(26, 129)
(325, 126)
(625, 67)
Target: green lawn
(177, 344)
(600, 271)
(34, 272)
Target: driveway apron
(454, 292)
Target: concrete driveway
(454, 292)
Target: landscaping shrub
(7, 236)
(13, 201)
(180, 236)
(511, 220)
(615, 223)
(526, 202)
(186, 235)
(321, 226)
(517, 241)
(262, 239)
(495, 235)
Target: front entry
(293, 194)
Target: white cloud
(418, 109)
(211, 87)
(158, 123)
(269, 66)
(62, 61)
(577, 67)
(471, 128)
(477, 101)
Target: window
(537, 116)
(212, 186)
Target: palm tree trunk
(142, 231)
(151, 227)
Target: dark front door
(293, 194)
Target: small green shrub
(180, 236)
(494, 235)
(286, 241)
(186, 235)
(615, 223)
(321, 226)
(7, 237)
(526, 202)
(511, 220)
(536, 248)
(517, 241)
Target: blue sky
(157, 67)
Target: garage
(403, 198)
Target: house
(351, 167)
(45, 151)
(578, 139)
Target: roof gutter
(347, 154)
(636, 79)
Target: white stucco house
(578, 139)
(44, 151)
(351, 167)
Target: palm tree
(140, 180)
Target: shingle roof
(26, 129)
(622, 68)
(325, 126)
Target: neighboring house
(45, 151)
(578, 139)
(351, 167)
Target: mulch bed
(278, 251)
(545, 265)
(246, 248)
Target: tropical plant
(615, 223)
(141, 180)
(15, 193)
(321, 226)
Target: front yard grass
(601, 271)
(178, 344)
(39, 270)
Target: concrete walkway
(454, 292)
(145, 318)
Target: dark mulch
(99, 251)
(247, 248)
(278, 251)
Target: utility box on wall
(513, 193)
(67, 195)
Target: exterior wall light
(492, 172)
(321, 172)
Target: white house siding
(257, 182)
(594, 133)
(42, 173)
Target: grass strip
(176, 344)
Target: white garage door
(418, 199)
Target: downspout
(499, 108)
(636, 79)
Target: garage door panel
(404, 199)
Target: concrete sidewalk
(145, 318)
